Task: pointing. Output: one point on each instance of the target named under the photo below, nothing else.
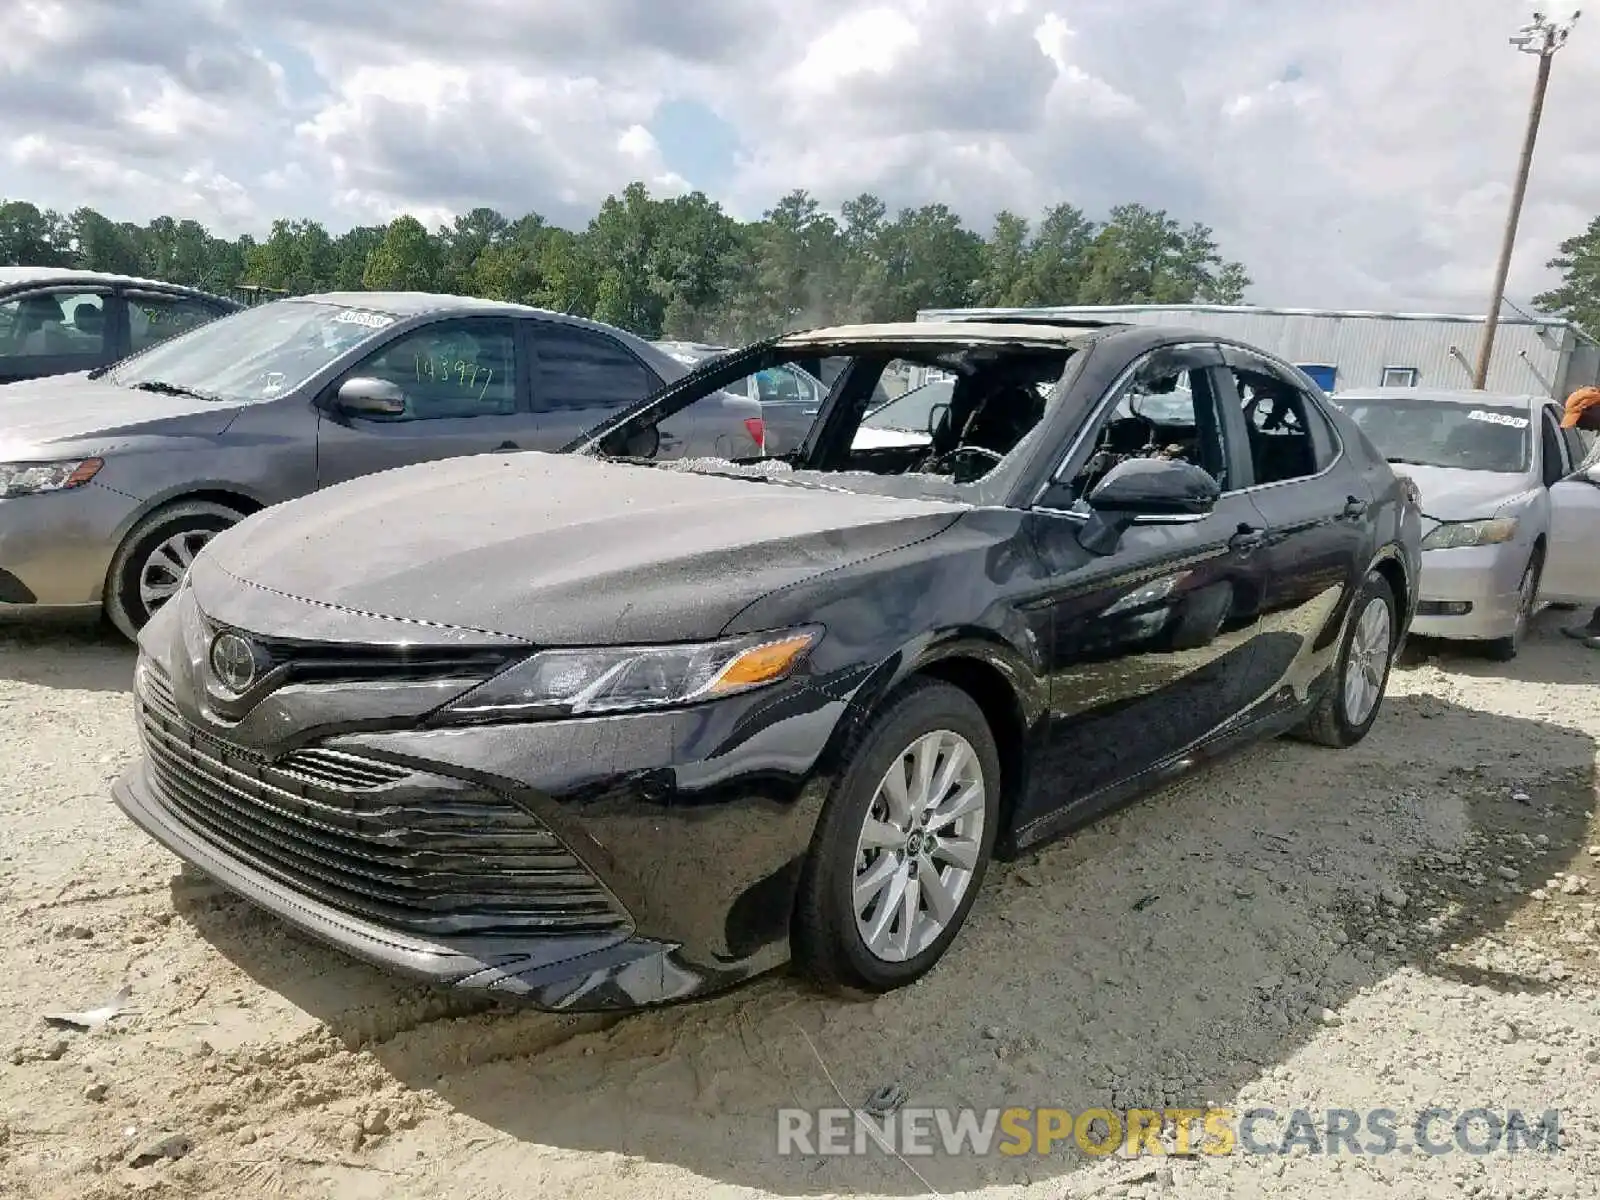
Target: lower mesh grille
(426, 854)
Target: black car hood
(554, 549)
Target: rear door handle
(1354, 507)
(1247, 538)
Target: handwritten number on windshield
(457, 373)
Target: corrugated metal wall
(1361, 345)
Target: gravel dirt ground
(1408, 924)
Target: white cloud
(1355, 154)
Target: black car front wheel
(150, 564)
(1350, 703)
(902, 845)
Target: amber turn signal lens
(762, 664)
(84, 471)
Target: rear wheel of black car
(150, 563)
(1351, 702)
(902, 845)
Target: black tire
(124, 605)
(828, 947)
(1329, 723)
(1505, 649)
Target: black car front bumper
(585, 865)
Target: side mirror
(1158, 489)
(369, 397)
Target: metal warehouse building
(1371, 349)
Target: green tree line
(1577, 297)
(677, 266)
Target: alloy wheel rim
(164, 567)
(1367, 665)
(919, 845)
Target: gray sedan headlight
(31, 478)
(628, 678)
(1457, 535)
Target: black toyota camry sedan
(602, 731)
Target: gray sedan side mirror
(369, 397)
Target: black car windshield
(255, 355)
(912, 412)
(1439, 433)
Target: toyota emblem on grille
(233, 662)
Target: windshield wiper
(163, 388)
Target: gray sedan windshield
(255, 355)
(1434, 433)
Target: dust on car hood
(556, 549)
(36, 414)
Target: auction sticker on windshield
(1495, 418)
(372, 320)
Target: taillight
(758, 431)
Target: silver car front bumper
(1471, 594)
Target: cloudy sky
(1351, 152)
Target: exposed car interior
(995, 402)
(1163, 414)
(1281, 445)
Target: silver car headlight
(1458, 535)
(610, 679)
(31, 478)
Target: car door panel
(466, 391)
(1572, 561)
(1153, 641)
(1150, 648)
(1312, 557)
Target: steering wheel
(933, 465)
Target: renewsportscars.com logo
(1214, 1131)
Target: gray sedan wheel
(1506, 648)
(151, 562)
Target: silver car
(112, 480)
(1510, 519)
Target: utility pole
(1543, 37)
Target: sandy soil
(1409, 923)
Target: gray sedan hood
(1453, 494)
(38, 413)
(554, 549)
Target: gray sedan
(1511, 512)
(111, 481)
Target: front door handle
(1354, 506)
(1247, 538)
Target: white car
(1509, 518)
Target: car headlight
(31, 478)
(627, 678)
(1457, 535)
